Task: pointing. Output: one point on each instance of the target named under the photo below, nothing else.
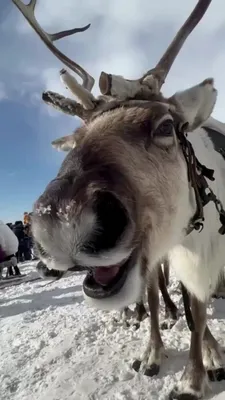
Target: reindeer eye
(165, 129)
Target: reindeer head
(121, 199)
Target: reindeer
(133, 188)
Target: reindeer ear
(65, 143)
(196, 104)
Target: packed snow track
(53, 347)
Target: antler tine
(88, 81)
(62, 34)
(162, 68)
(66, 105)
(151, 82)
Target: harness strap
(197, 174)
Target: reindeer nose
(112, 221)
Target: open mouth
(103, 282)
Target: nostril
(112, 220)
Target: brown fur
(113, 153)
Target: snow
(53, 347)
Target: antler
(110, 85)
(66, 105)
(83, 92)
(116, 85)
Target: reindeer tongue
(104, 275)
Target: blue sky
(122, 40)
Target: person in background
(28, 231)
(8, 249)
(19, 232)
(27, 242)
(32, 247)
(26, 218)
(10, 225)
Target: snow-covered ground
(53, 347)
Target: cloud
(3, 94)
(125, 39)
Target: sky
(124, 38)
